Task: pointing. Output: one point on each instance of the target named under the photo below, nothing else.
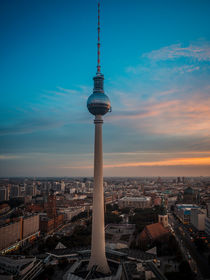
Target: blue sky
(155, 56)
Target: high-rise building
(31, 190)
(197, 218)
(98, 104)
(15, 234)
(62, 186)
(14, 191)
(4, 193)
(51, 205)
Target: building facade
(183, 211)
(15, 234)
(135, 202)
(207, 225)
(197, 218)
(4, 194)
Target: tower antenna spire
(98, 44)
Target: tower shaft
(98, 256)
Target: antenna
(98, 45)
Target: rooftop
(15, 262)
(153, 231)
(140, 198)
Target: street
(194, 257)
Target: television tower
(98, 104)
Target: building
(4, 194)
(207, 225)
(183, 211)
(31, 190)
(135, 202)
(48, 225)
(124, 265)
(15, 267)
(18, 233)
(108, 198)
(163, 217)
(152, 233)
(51, 205)
(191, 196)
(157, 201)
(4, 208)
(15, 191)
(51, 221)
(197, 218)
(30, 225)
(208, 209)
(63, 186)
(69, 213)
(10, 234)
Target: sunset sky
(155, 57)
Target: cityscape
(156, 227)
(108, 179)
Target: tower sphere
(98, 103)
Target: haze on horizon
(155, 57)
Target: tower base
(100, 264)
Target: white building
(197, 218)
(135, 202)
(72, 190)
(62, 186)
(183, 212)
(69, 213)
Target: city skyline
(156, 62)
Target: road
(203, 268)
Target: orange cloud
(195, 161)
(188, 116)
(170, 162)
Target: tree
(110, 207)
(172, 208)
(80, 237)
(200, 244)
(184, 267)
(125, 210)
(111, 218)
(51, 242)
(144, 217)
(81, 215)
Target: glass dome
(98, 103)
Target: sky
(155, 57)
